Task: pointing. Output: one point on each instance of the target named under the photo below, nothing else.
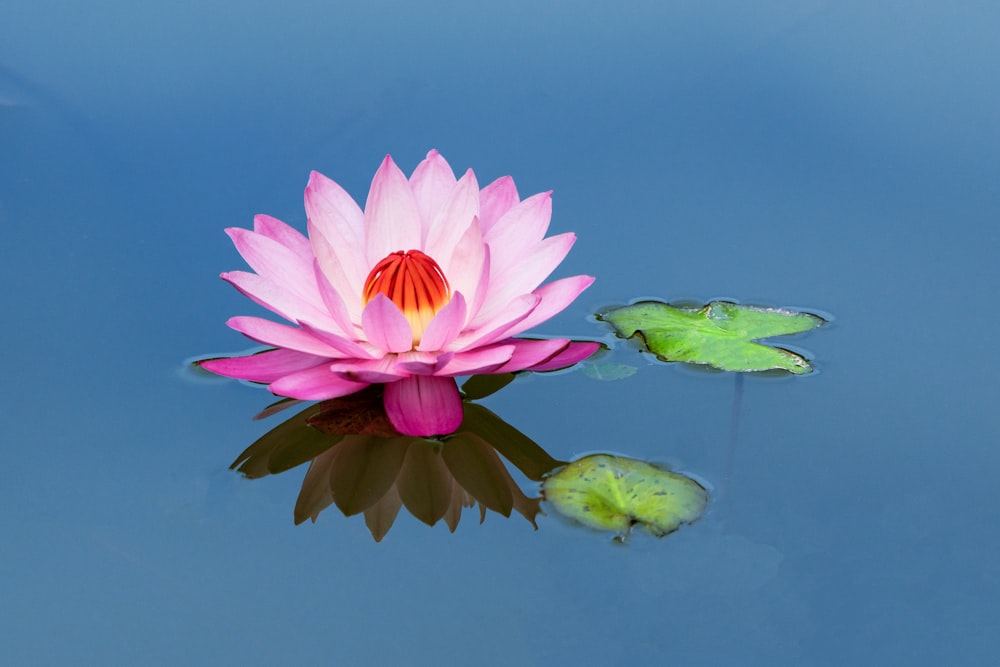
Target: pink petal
(409, 363)
(279, 300)
(481, 360)
(576, 351)
(392, 220)
(495, 200)
(369, 371)
(346, 348)
(464, 266)
(519, 231)
(453, 217)
(335, 305)
(529, 352)
(424, 405)
(315, 384)
(265, 367)
(445, 325)
(432, 181)
(555, 296)
(385, 325)
(333, 214)
(339, 269)
(527, 274)
(284, 234)
(281, 335)
(276, 263)
(490, 330)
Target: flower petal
(422, 363)
(284, 234)
(385, 325)
(392, 219)
(576, 351)
(370, 371)
(335, 216)
(495, 200)
(346, 348)
(424, 405)
(346, 319)
(264, 367)
(282, 335)
(445, 326)
(337, 270)
(432, 181)
(519, 231)
(454, 216)
(555, 296)
(315, 384)
(480, 360)
(464, 267)
(276, 263)
(527, 274)
(279, 300)
(529, 352)
(499, 326)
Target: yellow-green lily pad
(720, 334)
(615, 493)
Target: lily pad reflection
(615, 493)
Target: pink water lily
(431, 281)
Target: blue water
(830, 156)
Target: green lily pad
(614, 493)
(720, 334)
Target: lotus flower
(431, 281)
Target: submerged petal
(424, 405)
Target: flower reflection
(359, 463)
(362, 465)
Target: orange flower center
(414, 282)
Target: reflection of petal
(478, 470)
(460, 499)
(315, 495)
(284, 447)
(380, 516)
(366, 468)
(424, 482)
(360, 464)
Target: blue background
(833, 156)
